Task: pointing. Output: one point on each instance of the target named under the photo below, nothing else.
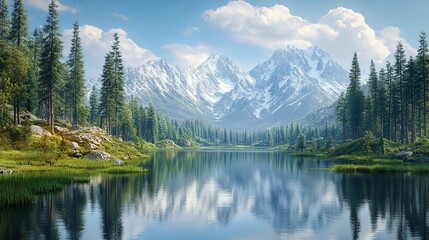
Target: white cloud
(340, 32)
(121, 16)
(96, 43)
(187, 56)
(43, 5)
(190, 30)
(391, 36)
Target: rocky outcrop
(38, 131)
(98, 155)
(166, 144)
(404, 155)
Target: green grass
(357, 147)
(22, 188)
(305, 153)
(125, 169)
(382, 167)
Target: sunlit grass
(382, 167)
(125, 169)
(22, 188)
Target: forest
(396, 106)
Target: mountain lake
(228, 194)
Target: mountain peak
(217, 58)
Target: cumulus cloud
(188, 56)
(391, 36)
(96, 43)
(43, 5)
(340, 32)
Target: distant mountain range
(288, 86)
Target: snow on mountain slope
(288, 86)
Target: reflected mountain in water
(228, 194)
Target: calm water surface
(218, 194)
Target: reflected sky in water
(218, 194)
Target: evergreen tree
(14, 66)
(411, 88)
(19, 26)
(50, 65)
(382, 102)
(355, 99)
(76, 72)
(4, 21)
(374, 123)
(391, 100)
(106, 99)
(93, 106)
(35, 46)
(422, 68)
(400, 62)
(341, 113)
(300, 144)
(128, 130)
(152, 124)
(118, 80)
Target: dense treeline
(396, 106)
(32, 75)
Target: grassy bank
(23, 188)
(355, 157)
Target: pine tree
(391, 97)
(300, 144)
(374, 124)
(382, 102)
(4, 21)
(411, 87)
(19, 26)
(35, 46)
(399, 79)
(152, 124)
(128, 129)
(50, 66)
(13, 66)
(93, 106)
(118, 80)
(355, 99)
(106, 99)
(76, 84)
(422, 67)
(341, 113)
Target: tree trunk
(117, 123)
(51, 112)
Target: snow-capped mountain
(288, 86)
(291, 84)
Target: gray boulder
(89, 137)
(61, 129)
(38, 131)
(75, 145)
(97, 155)
(404, 155)
(5, 171)
(118, 161)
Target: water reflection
(229, 194)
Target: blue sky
(185, 32)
